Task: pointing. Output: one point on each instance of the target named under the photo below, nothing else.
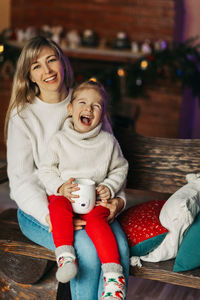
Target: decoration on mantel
(22, 35)
(179, 62)
(46, 31)
(89, 38)
(73, 39)
(134, 47)
(146, 47)
(121, 41)
(56, 33)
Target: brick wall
(141, 19)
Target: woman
(37, 110)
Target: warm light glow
(1, 48)
(93, 79)
(121, 72)
(144, 64)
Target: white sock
(67, 266)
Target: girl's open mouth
(86, 120)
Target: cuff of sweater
(43, 219)
(121, 195)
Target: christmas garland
(180, 62)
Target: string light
(93, 79)
(121, 72)
(1, 48)
(144, 64)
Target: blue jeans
(88, 284)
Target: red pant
(97, 228)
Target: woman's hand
(67, 189)
(78, 223)
(115, 205)
(48, 220)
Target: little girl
(83, 149)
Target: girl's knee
(98, 212)
(59, 202)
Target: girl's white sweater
(93, 155)
(28, 136)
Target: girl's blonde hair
(94, 85)
(23, 89)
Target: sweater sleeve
(25, 186)
(49, 172)
(118, 170)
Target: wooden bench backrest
(155, 164)
(159, 164)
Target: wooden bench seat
(156, 166)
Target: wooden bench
(157, 168)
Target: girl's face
(86, 110)
(48, 73)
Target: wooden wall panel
(141, 19)
(159, 114)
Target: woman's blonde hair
(23, 89)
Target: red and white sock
(114, 283)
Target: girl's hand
(49, 222)
(115, 205)
(103, 192)
(67, 189)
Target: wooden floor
(143, 289)
(139, 289)
(43, 290)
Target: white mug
(87, 196)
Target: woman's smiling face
(86, 110)
(47, 72)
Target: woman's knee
(35, 231)
(99, 212)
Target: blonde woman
(37, 110)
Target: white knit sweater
(93, 155)
(28, 135)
